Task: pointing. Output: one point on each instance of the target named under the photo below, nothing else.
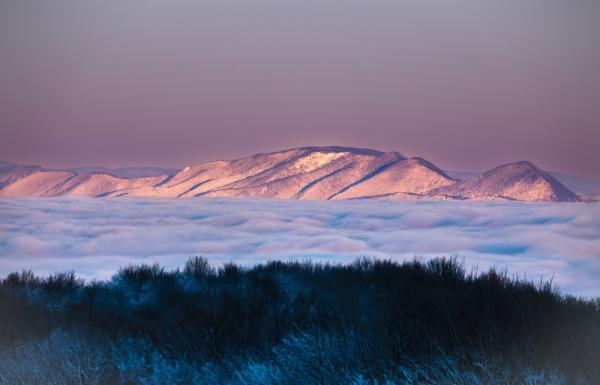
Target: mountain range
(318, 173)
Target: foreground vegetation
(370, 322)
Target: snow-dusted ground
(96, 236)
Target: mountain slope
(99, 184)
(412, 176)
(62, 183)
(516, 181)
(310, 174)
(37, 184)
(208, 176)
(581, 185)
(319, 173)
(10, 173)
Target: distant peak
(520, 166)
(525, 164)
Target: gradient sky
(467, 84)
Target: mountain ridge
(520, 180)
(316, 173)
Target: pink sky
(467, 84)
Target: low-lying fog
(95, 237)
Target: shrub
(198, 267)
(372, 321)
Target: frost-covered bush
(60, 358)
(370, 322)
(72, 358)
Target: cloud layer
(96, 236)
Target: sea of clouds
(94, 237)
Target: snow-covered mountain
(586, 187)
(320, 173)
(515, 181)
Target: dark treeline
(370, 322)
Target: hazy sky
(467, 84)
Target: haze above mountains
(317, 173)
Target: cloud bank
(95, 237)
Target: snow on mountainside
(10, 173)
(404, 176)
(320, 173)
(582, 185)
(515, 181)
(309, 174)
(38, 184)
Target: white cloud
(96, 236)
